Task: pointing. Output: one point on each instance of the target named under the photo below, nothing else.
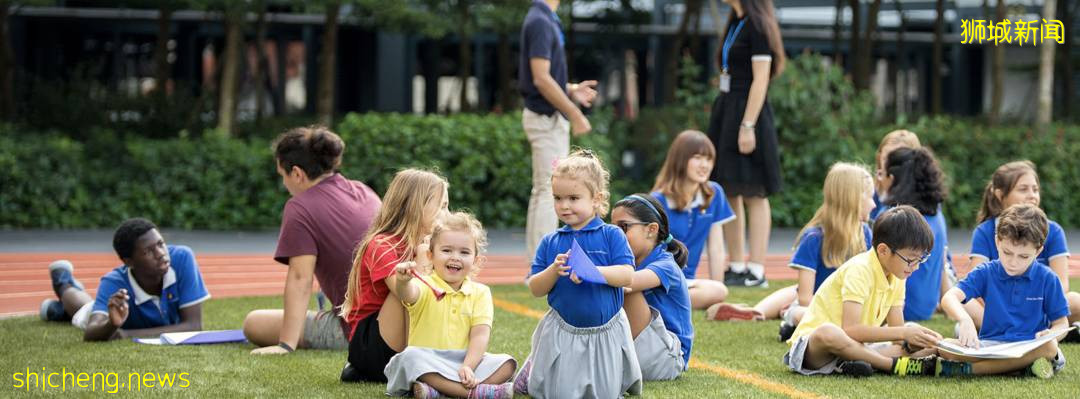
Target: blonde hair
(838, 215)
(899, 138)
(583, 165)
(463, 222)
(400, 216)
(1004, 178)
(669, 182)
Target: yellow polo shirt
(445, 324)
(861, 279)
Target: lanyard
(562, 35)
(730, 41)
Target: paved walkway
(241, 264)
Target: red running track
(24, 277)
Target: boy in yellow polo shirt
(855, 322)
(449, 320)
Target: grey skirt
(659, 351)
(592, 362)
(406, 367)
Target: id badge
(725, 83)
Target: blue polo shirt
(879, 207)
(671, 298)
(982, 242)
(541, 37)
(808, 253)
(1017, 307)
(182, 286)
(586, 304)
(691, 225)
(924, 285)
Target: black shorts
(368, 353)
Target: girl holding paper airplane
(450, 318)
(582, 347)
(412, 203)
(658, 304)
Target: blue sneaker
(53, 310)
(62, 273)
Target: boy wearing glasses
(855, 322)
(1024, 299)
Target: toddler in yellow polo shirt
(450, 319)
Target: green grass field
(749, 349)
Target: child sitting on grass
(157, 290)
(449, 330)
(1023, 298)
(856, 316)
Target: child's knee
(829, 336)
(1048, 350)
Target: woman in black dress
(741, 127)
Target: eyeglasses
(626, 225)
(912, 262)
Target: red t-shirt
(328, 220)
(376, 264)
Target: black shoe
(735, 279)
(62, 274)
(53, 310)
(856, 368)
(1073, 335)
(786, 330)
(753, 281)
(349, 374)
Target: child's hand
(118, 308)
(965, 331)
(404, 271)
(1041, 333)
(468, 379)
(575, 278)
(560, 265)
(920, 336)
(423, 251)
(627, 290)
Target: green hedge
(206, 182)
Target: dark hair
(903, 227)
(315, 149)
(1004, 178)
(647, 209)
(1023, 223)
(762, 15)
(129, 231)
(917, 180)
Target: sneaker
(905, 366)
(349, 373)
(753, 281)
(786, 330)
(1041, 368)
(856, 368)
(1074, 334)
(53, 310)
(728, 312)
(62, 273)
(734, 279)
(521, 381)
(492, 391)
(950, 368)
(424, 391)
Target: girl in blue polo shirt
(697, 209)
(837, 232)
(1014, 183)
(912, 176)
(658, 305)
(582, 347)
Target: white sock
(737, 267)
(757, 269)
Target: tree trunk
(837, 22)
(902, 66)
(327, 60)
(261, 67)
(856, 45)
(162, 72)
(1046, 70)
(671, 64)
(866, 46)
(938, 58)
(997, 71)
(506, 93)
(7, 66)
(230, 71)
(1065, 58)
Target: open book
(195, 338)
(1008, 350)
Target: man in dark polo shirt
(549, 112)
